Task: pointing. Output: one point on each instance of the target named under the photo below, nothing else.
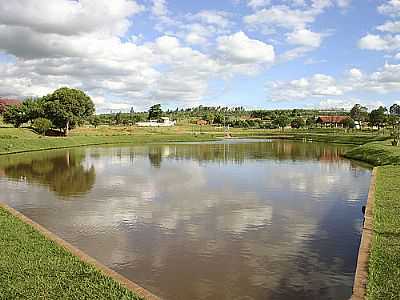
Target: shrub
(42, 125)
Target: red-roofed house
(7, 102)
(332, 121)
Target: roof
(5, 101)
(332, 119)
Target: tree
(359, 113)
(395, 110)
(298, 123)
(42, 125)
(155, 112)
(94, 121)
(67, 108)
(218, 119)
(118, 118)
(15, 115)
(393, 120)
(281, 121)
(310, 121)
(349, 123)
(33, 108)
(377, 117)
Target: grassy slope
(19, 140)
(376, 153)
(32, 267)
(384, 264)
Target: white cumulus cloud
(240, 49)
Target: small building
(4, 103)
(201, 122)
(162, 122)
(332, 121)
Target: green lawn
(376, 153)
(384, 264)
(21, 140)
(384, 261)
(14, 140)
(33, 267)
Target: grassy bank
(376, 153)
(33, 267)
(384, 263)
(384, 260)
(23, 139)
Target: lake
(238, 219)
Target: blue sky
(252, 53)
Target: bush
(42, 125)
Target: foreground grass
(32, 267)
(384, 260)
(384, 263)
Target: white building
(163, 122)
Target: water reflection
(266, 220)
(62, 172)
(155, 156)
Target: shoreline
(50, 236)
(361, 275)
(74, 141)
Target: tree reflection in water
(62, 172)
(155, 157)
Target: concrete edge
(361, 277)
(135, 288)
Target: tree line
(379, 117)
(63, 109)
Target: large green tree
(378, 117)
(28, 110)
(15, 115)
(155, 112)
(281, 121)
(359, 113)
(298, 123)
(395, 109)
(67, 108)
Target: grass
(384, 260)
(376, 153)
(33, 267)
(384, 263)
(14, 140)
(23, 139)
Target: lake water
(226, 220)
